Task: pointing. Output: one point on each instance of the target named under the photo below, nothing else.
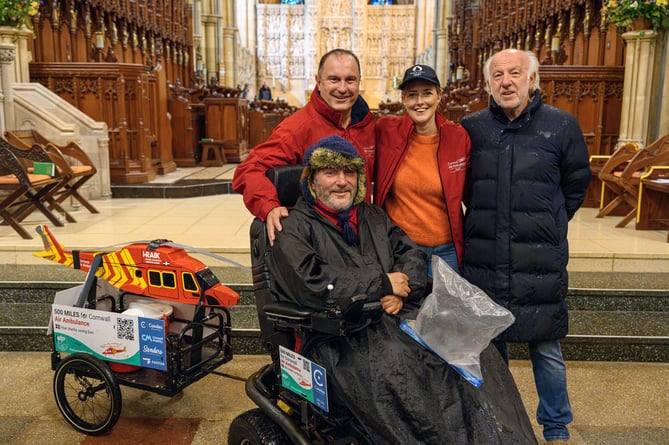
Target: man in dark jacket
(335, 108)
(529, 173)
(265, 92)
(398, 390)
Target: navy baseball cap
(420, 72)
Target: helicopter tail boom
(53, 250)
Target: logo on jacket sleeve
(458, 165)
(368, 151)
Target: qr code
(126, 329)
(306, 365)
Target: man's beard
(327, 198)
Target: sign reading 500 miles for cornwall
(110, 336)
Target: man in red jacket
(335, 108)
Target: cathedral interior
(146, 86)
(135, 92)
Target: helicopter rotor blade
(204, 252)
(164, 242)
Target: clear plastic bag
(457, 321)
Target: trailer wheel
(87, 394)
(253, 427)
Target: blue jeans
(550, 378)
(444, 251)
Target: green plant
(18, 12)
(623, 12)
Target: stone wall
(292, 38)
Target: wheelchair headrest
(286, 180)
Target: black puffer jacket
(528, 178)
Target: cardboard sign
(110, 336)
(304, 377)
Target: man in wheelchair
(338, 255)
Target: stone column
(210, 48)
(442, 19)
(7, 56)
(663, 118)
(641, 81)
(19, 38)
(421, 29)
(441, 52)
(229, 57)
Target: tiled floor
(614, 403)
(588, 234)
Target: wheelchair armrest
(361, 306)
(374, 306)
(333, 322)
(284, 315)
(288, 311)
(290, 316)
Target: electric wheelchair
(283, 416)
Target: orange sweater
(416, 200)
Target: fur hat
(332, 152)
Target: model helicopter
(157, 269)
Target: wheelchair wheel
(253, 427)
(87, 394)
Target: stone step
(17, 270)
(605, 324)
(577, 299)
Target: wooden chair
(653, 205)
(37, 153)
(22, 189)
(79, 166)
(655, 154)
(609, 175)
(627, 182)
(593, 194)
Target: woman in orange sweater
(421, 167)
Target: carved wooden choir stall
(187, 125)
(226, 129)
(580, 55)
(114, 60)
(264, 117)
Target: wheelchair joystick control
(330, 304)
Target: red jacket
(392, 141)
(289, 141)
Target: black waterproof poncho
(400, 392)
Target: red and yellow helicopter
(157, 269)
